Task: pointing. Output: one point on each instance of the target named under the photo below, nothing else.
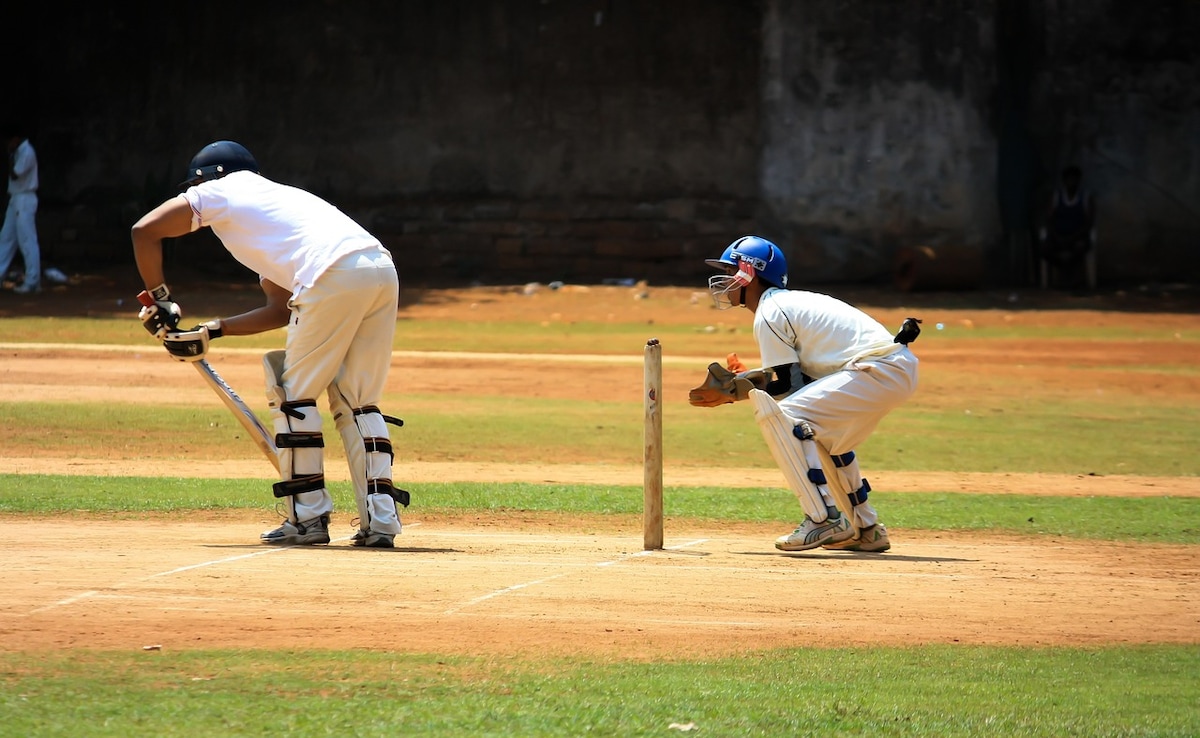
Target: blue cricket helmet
(764, 257)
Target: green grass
(565, 338)
(710, 333)
(936, 691)
(1123, 436)
(1050, 435)
(1163, 519)
(1054, 333)
(533, 336)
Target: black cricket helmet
(216, 160)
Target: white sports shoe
(367, 539)
(811, 535)
(307, 533)
(870, 540)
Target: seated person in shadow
(1067, 236)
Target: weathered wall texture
(586, 139)
(876, 131)
(550, 140)
(886, 128)
(1118, 93)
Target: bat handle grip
(145, 298)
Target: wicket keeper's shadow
(852, 555)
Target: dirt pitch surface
(539, 583)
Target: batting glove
(159, 314)
(192, 345)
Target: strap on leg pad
(385, 487)
(835, 482)
(803, 431)
(850, 477)
(372, 428)
(378, 444)
(386, 418)
(298, 439)
(291, 408)
(295, 486)
(859, 497)
(778, 431)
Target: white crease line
(499, 592)
(523, 585)
(68, 601)
(518, 537)
(772, 572)
(651, 551)
(95, 593)
(209, 563)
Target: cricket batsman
(336, 289)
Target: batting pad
(376, 512)
(836, 482)
(296, 462)
(785, 448)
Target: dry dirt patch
(552, 584)
(548, 583)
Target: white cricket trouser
(341, 329)
(20, 229)
(844, 408)
(340, 333)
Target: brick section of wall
(499, 241)
(461, 241)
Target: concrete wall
(546, 140)
(586, 139)
(1118, 93)
(886, 128)
(875, 132)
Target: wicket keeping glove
(722, 386)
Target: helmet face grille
(761, 257)
(722, 288)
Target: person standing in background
(20, 228)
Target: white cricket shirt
(821, 333)
(283, 233)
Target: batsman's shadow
(856, 556)
(677, 552)
(333, 547)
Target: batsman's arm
(171, 219)
(274, 314)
